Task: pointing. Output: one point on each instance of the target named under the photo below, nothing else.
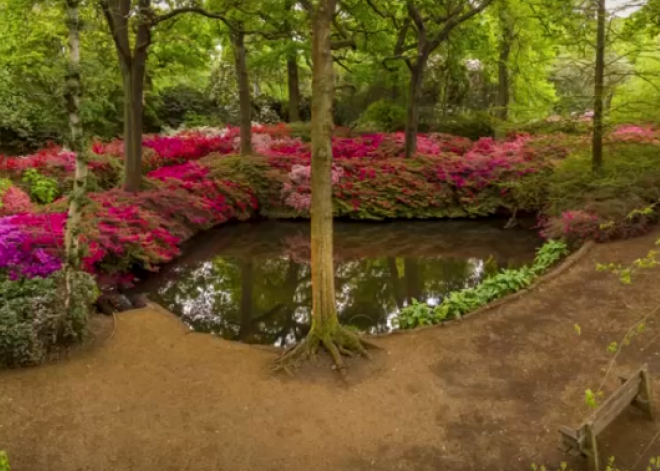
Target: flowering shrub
(193, 183)
(13, 200)
(297, 192)
(29, 244)
(630, 133)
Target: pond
(250, 281)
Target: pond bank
(488, 393)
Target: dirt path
(488, 393)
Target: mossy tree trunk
(325, 320)
(326, 330)
(243, 80)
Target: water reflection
(251, 282)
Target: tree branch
(343, 43)
(196, 10)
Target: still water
(250, 282)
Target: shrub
(183, 103)
(302, 130)
(606, 205)
(43, 189)
(384, 115)
(34, 319)
(13, 200)
(473, 126)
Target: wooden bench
(635, 390)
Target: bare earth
(488, 393)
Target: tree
(433, 22)
(293, 81)
(77, 145)
(506, 43)
(243, 80)
(597, 144)
(326, 330)
(122, 16)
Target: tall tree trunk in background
(597, 144)
(412, 119)
(76, 144)
(240, 62)
(504, 85)
(133, 65)
(293, 79)
(293, 82)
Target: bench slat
(615, 404)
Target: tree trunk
(76, 144)
(294, 88)
(326, 330)
(504, 86)
(133, 111)
(597, 144)
(412, 120)
(323, 280)
(240, 62)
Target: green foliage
(42, 189)
(4, 462)
(459, 303)
(384, 115)
(630, 180)
(473, 126)
(416, 315)
(5, 184)
(301, 130)
(34, 319)
(184, 104)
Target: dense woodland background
(516, 61)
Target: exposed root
(341, 342)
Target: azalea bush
(34, 320)
(13, 200)
(194, 181)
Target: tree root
(340, 343)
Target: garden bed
(194, 181)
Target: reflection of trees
(253, 290)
